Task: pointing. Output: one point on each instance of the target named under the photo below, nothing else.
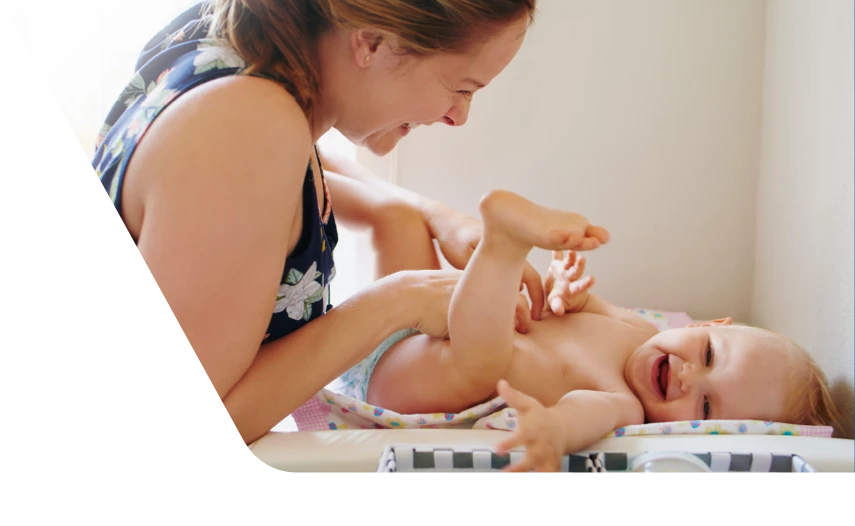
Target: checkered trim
(408, 458)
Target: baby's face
(711, 373)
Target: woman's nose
(458, 114)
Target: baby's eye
(706, 408)
(709, 356)
(466, 94)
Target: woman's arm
(290, 370)
(372, 200)
(456, 233)
(213, 196)
(379, 190)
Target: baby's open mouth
(661, 376)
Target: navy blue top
(179, 58)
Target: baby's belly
(546, 377)
(585, 352)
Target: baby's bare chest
(578, 351)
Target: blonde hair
(277, 38)
(809, 401)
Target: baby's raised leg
(401, 241)
(483, 306)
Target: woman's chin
(382, 144)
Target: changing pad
(330, 410)
(420, 458)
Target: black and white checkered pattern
(420, 458)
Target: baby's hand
(566, 288)
(540, 431)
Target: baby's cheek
(665, 413)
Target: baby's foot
(511, 217)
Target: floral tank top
(179, 58)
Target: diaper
(354, 383)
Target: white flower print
(134, 90)
(327, 289)
(216, 56)
(326, 296)
(298, 293)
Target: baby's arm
(587, 416)
(578, 420)
(598, 305)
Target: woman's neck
(324, 114)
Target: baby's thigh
(417, 376)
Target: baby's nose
(685, 378)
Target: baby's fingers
(516, 399)
(578, 268)
(556, 304)
(580, 286)
(522, 466)
(505, 446)
(548, 464)
(570, 260)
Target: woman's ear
(721, 322)
(364, 44)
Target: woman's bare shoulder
(214, 192)
(236, 136)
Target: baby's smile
(661, 376)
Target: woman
(208, 157)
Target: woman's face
(394, 93)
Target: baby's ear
(721, 322)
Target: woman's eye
(706, 408)
(709, 356)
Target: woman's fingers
(523, 315)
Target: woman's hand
(458, 236)
(430, 293)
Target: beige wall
(804, 257)
(713, 137)
(645, 116)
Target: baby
(588, 367)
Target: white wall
(713, 137)
(88, 49)
(645, 116)
(804, 259)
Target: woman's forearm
(289, 371)
(430, 210)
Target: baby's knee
(398, 219)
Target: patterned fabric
(354, 382)
(723, 427)
(405, 458)
(178, 59)
(342, 407)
